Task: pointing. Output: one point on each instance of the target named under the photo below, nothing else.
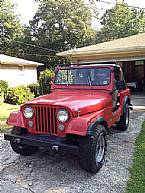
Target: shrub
(45, 80)
(18, 95)
(3, 86)
(3, 90)
(34, 88)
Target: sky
(27, 8)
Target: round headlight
(62, 115)
(28, 112)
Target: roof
(4, 59)
(127, 44)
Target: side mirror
(120, 85)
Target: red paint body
(84, 104)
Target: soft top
(87, 65)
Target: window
(21, 70)
(99, 76)
(118, 76)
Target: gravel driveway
(47, 172)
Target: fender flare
(101, 121)
(126, 100)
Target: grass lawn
(136, 183)
(5, 110)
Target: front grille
(45, 119)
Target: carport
(128, 52)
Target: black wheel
(92, 150)
(123, 123)
(21, 149)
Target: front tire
(92, 150)
(22, 149)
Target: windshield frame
(82, 85)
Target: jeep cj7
(85, 101)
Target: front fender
(79, 125)
(99, 120)
(16, 119)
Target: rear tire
(92, 150)
(123, 123)
(22, 149)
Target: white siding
(18, 75)
(30, 75)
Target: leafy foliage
(3, 86)
(10, 27)
(3, 90)
(62, 24)
(18, 95)
(34, 88)
(57, 25)
(120, 21)
(45, 80)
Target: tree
(57, 25)
(121, 21)
(62, 24)
(10, 27)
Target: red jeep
(85, 101)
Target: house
(128, 52)
(17, 71)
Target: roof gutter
(20, 64)
(78, 53)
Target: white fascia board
(112, 60)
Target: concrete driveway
(47, 172)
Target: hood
(84, 101)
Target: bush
(3, 90)
(3, 86)
(18, 95)
(45, 80)
(34, 88)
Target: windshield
(83, 76)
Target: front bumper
(49, 142)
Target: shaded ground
(49, 172)
(138, 98)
